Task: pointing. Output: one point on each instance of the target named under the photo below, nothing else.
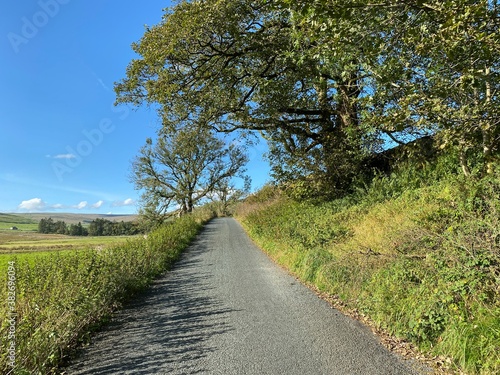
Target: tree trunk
(190, 204)
(347, 108)
(463, 163)
(486, 130)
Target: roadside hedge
(60, 299)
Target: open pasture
(8, 221)
(28, 241)
(32, 246)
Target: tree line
(98, 227)
(326, 83)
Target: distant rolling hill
(66, 217)
(15, 219)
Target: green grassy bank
(61, 298)
(418, 254)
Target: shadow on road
(165, 329)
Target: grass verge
(423, 263)
(61, 298)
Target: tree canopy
(435, 66)
(180, 169)
(326, 82)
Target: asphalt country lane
(225, 308)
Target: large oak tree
(237, 65)
(435, 66)
(326, 81)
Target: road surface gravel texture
(226, 308)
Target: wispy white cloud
(35, 204)
(99, 194)
(126, 202)
(97, 204)
(103, 85)
(64, 156)
(61, 156)
(13, 178)
(81, 205)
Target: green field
(31, 245)
(22, 242)
(36, 246)
(66, 217)
(27, 243)
(8, 221)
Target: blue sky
(63, 145)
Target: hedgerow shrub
(61, 298)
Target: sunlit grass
(423, 264)
(43, 242)
(4, 226)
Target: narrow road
(225, 308)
